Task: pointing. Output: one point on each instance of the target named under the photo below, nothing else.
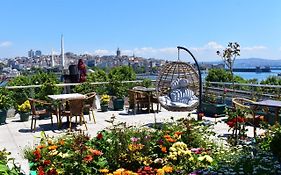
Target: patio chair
(137, 100)
(40, 108)
(245, 105)
(76, 108)
(89, 104)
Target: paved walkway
(16, 135)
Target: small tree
(229, 55)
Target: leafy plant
(4, 168)
(6, 100)
(84, 88)
(116, 76)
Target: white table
(72, 96)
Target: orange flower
(88, 158)
(52, 147)
(178, 133)
(61, 142)
(171, 140)
(163, 149)
(40, 146)
(167, 136)
(95, 152)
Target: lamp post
(200, 80)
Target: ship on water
(256, 69)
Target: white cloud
(5, 44)
(254, 48)
(102, 52)
(206, 52)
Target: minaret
(62, 52)
(53, 59)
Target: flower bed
(182, 147)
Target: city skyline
(151, 29)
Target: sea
(246, 75)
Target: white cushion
(179, 83)
(182, 95)
(183, 83)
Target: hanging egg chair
(179, 85)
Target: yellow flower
(104, 170)
(209, 158)
(167, 169)
(160, 172)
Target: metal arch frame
(200, 79)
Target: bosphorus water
(246, 75)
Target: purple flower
(160, 142)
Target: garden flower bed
(179, 147)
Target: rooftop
(16, 135)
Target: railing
(252, 91)
(225, 89)
(71, 84)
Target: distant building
(31, 53)
(118, 53)
(38, 53)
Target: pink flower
(134, 139)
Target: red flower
(52, 172)
(230, 123)
(146, 168)
(37, 154)
(88, 158)
(40, 170)
(240, 119)
(99, 136)
(47, 162)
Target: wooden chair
(89, 104)
(137, 100)
(46, 108)
(76, 108)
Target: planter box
(3, 116)
(213, 109)
(118, 104)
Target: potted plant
(6, 102)
(24, 111)
(118, 89)
(213, 106)
(104, 102)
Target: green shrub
(4, 168)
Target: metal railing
(252, 91)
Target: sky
(147, 28)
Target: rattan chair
(245, 105)
(39, 108)
(168, 76)
(89, 104)
(76, 108)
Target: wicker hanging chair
(170, 76)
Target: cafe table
(148, 91)
(265, 104)
(65, 97)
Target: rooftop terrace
(15, 135)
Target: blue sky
(148, 28)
